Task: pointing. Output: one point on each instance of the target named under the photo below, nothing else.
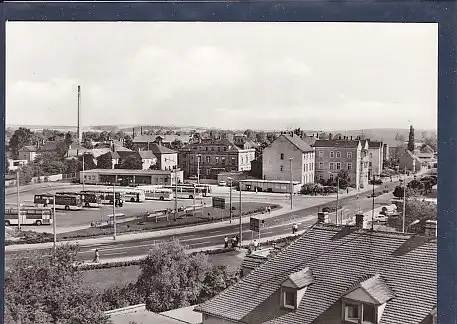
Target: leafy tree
(324, 136)
(20, 138)
(72, 166)
(344, 178)
(128, 142)
(121, 296)
(170, 278)
(49, 289)
(411, 142)
(430, 140)
(177, 144)
(104, 161)
(62, 149)
(249, 134)
(217, 279)
(26, 173)
(271, 137)
(133, 162)
(50, 163)
(260, 137)
(103, 136)
(68, 139)
(417, 210)
(89, 163)
(400, 138)
(169, 132)
(410, 192)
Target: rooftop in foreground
(330, 267)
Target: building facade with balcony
(345, 154)
(210, 157)
(277, 157)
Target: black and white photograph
(221, 172)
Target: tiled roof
(147, 155)
(113, 155)
(29, 148)
(299, 143)
(377, 288)
(337, 143)
(301, 278)
(252, 261)
(427, 149)
(374, 144)
(310, 140)
(338, 257)
(49, 146)
(158, 149)
(165, 138)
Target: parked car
(222, 183)
(380, 218)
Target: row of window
(306, 167)
(307, 156)
(338, 154)
(218, 148)
(335, 165)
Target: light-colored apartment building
(342, 154)
(288, 156)
(376, 158)
(210, 157)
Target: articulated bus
(106, 196)
(67, 202)
(28, 216)
(190, 192)
(130, 194)
(157, 192)
(88, 199)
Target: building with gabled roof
(167, 159)
(28, 153)
(342, 154)
(210, 157)
(334, 275)
(288, 158)
(376, 158)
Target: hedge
(37, 238)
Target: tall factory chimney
(79, 133)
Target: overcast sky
(228, 75)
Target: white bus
(185, 192)
(67, 202)
(28, 216)
(130, 194)
(106, 196)
(157, 192)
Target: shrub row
(84, 267)
(38, 238)
(317, 189)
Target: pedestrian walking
(234, 242)
(347, 191)
(269, 209)
(294, 228)
(256, 244)
(96, 257)
(237, 238)
(226, 242)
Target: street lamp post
(241, 224)
(18, 202)
(404, 201)
(54, 225)
(230, 213)
(114, 209)
(198, 168)
(291, 185)
(83, 172)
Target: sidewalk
(176, 231)
(203, 249)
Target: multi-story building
(28, 153)
(337, 275)
(284, 153)
(167, 159)
(210, 157)
(342, 154)
(376, 158)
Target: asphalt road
(279, 225)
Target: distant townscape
(154, 225)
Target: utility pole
(337, 199)
(54, 225)
(18, 203)
(291, 185)
(194, 201)
(83, 172)
(241, 224)
(372, 211)
(404, 200)
(230, 213)
(198, 168)
(114, 209)
(176, 190)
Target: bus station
(126, 177)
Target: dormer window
(294, 288)
(365, 302)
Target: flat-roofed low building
(280, 186)
(139, 177)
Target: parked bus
(131, 194)
(28, 216)
(67, 202)
(88, 199)
(157, 192)
(186, 191)
(205, 189)
(106, 196)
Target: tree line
(43, 289)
